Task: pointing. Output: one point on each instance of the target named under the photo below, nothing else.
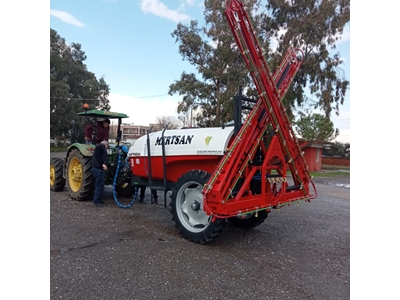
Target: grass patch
(330, 174)
(332, 167)
(327, 173)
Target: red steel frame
(283, 152)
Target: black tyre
(57, 180)
(187, 209)
(80, 182)
(125, 190)
(249, 221)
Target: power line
(89, 99)
(85, 99)
(151, 96)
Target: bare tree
(161, 121)
(189, 118)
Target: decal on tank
(175, 140)
(134, 154)
(217, 152)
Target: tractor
(75, 170)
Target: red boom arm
(220, 197)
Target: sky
(130, 44)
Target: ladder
(222, 198)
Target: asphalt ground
(299, 252)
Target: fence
(336, 161)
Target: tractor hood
(190, 141)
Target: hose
(115, 184)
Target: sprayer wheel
(187, 209)
(250, 220)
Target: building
(130, 132)
(312, 154)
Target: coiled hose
(115, 185)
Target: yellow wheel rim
(75, 174)
(52, 175)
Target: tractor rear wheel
(57, 180)
(187, 209)
(249, 221)
(80, 182)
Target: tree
(213, 52)
(314, 26)
(311, 25)
(188, 119)
(162, 121)
(315, 127)
(337, 149)
(70, 84)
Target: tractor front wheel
(57, 180)
(80, 183)
(125, 190)
(188, 212)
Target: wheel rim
(52, 175)
(189, 206)
(75, 174)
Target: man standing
(100, 165)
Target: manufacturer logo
(175, 140)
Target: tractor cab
(95, 116)
(99, 115)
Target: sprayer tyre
(187, 209)
(249, 221)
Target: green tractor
(75, 170)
